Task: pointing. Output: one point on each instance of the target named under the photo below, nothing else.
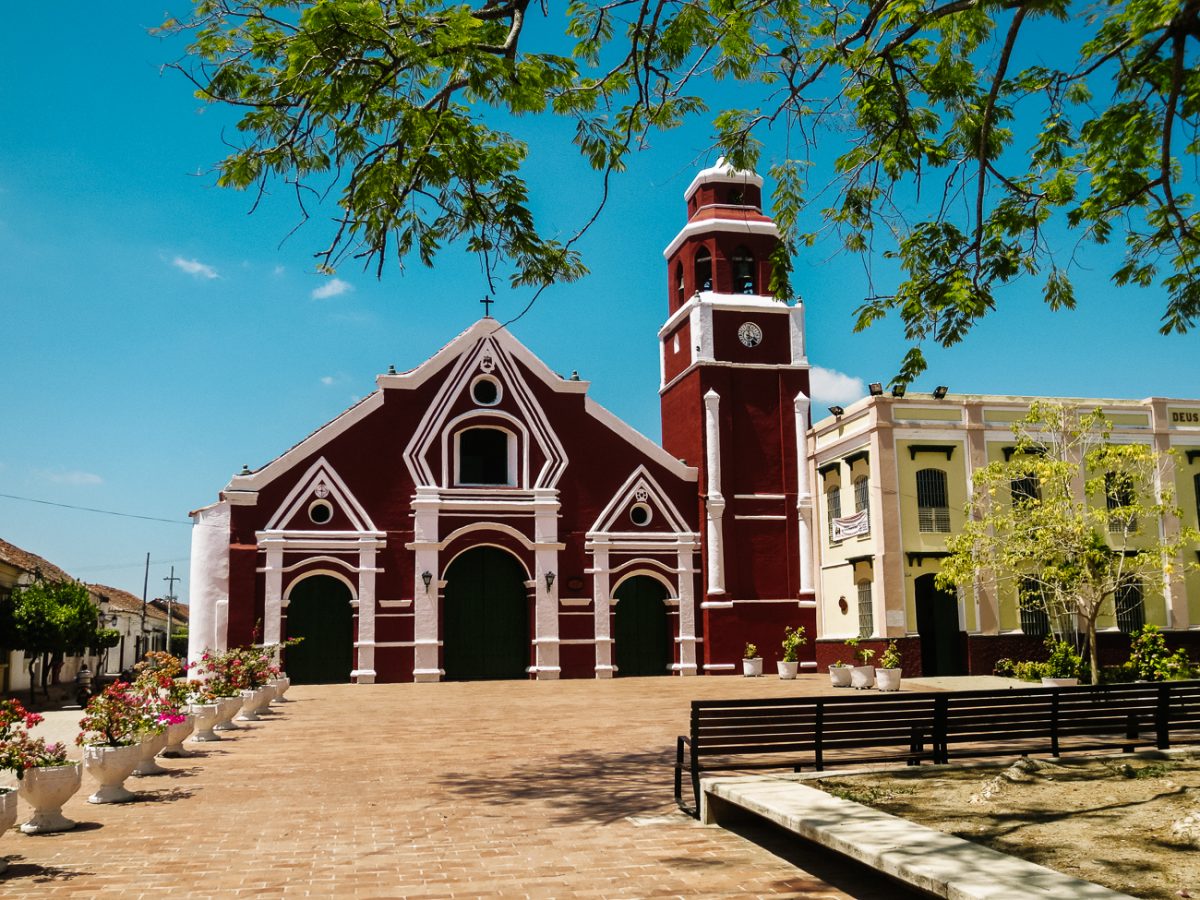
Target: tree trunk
(32, 679)
(1093, 652)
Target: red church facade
(481, 517)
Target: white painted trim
(337, 576)
(640, 479)
(727, 226)
(488, 527)
(719, 667)
(640, 442)
(721, 364)
(528, 577)
(517, 450)
(388, 604)
(722, 172)
(672, 588)
(321, 470)
(760, 496)
(763, 518)
(309, 560)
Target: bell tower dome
(735, 404)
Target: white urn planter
(888, 679)
(111, 766)
(227, 708)
(205, 716)
(839, 676)
(252, 703)
(788, 670)
(150, 746)
(1059, 682)
(282, 683)
(752, 668)
(177, 734)
(46, 789)
(8, 816)
(862, 677)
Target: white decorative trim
(721, 364)
(321, 471)
(714, 503)
(391, 604)
(640, 480)
(717, 604)
(763, 518)
(574, 601)
(719, 667)
(640, 442)
(516, 450)
(760, 496)
(707, 226)
(722, 172)
(337, 576)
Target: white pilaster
(601, 617)
(364, 673)
(209, 578)
(425, 599)
(545, 619)
(804, 499)
(714, 500)
(273, 600)
(687, 610)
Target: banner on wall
(851, 526)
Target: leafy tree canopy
(964, 142)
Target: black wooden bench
(803, 732)
(813, 732)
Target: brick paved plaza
(547, 789)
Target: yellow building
(891, 480)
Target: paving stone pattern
(541, 789)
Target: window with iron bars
(833, 508)
(1035, 622)
(1131, 606)
(1025, 490)
(1118, 491)
(861, 492)
(866, 612)
(933, 507)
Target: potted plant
(751, 662)
(112, 730)
(887, 675)
(162, 698)
(793, 640)
(1062, 668)
(47, 779)
(862, 676)
(221, 683)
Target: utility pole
(170, 602)
(145, 588)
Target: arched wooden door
(485, 617)
(641, 629)
(937, 624)
(319, 611)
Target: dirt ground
(1110, 821)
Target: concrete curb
(931, 860)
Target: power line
(105, 512)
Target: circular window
(485, 391)
(640, 514)
(320, 511)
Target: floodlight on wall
(939, 392)
(427, 577)
(549, 580)
(837, 411)
(876, 389)
(897, 390)
(843, 605)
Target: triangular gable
(640, 487)
(487, 355)
(321, 480)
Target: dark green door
(641, 630)
(937, 624)
(319, 611)
(485, 617)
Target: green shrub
(1064, 662)
(1003, 667)
(1031, 670)
(1150, 659)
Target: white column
(545, 618)
(273, 593)
(687, 610)
(714, 501)
(209, 578)
(425, 599)
(364, 673)
(804, 498)
(601, 613)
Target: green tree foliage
(1068, 521)
(958, 151)
(52, 620)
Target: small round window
(320, 511)
(640, 514)
(485, 391)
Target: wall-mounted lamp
(939, 392)
(837, 411)
(876, 389)
(897, 390)
(549, 580)
(427, 577)
(843, 605)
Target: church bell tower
(735, 404)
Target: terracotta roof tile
(30, 562)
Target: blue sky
(156, 336)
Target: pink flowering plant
(20, 752)
(122, 716)
(237, 669)
(159, 681)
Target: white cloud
(194, 267)
(832, 387)
(335, 287)
(72, 477)
(278, 270)
(327, 380)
